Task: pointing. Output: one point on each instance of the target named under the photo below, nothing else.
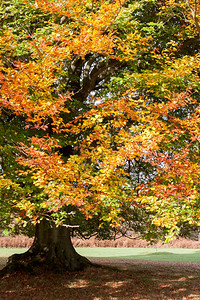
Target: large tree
(100, 120)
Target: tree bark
(52, 248)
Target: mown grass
(152, 254)
(5, 252)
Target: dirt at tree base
(138, 281)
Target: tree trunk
(52, 248)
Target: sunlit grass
(152, 254)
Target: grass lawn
(151, 254)
(139, 274)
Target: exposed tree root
(29, 262)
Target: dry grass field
(25, 242)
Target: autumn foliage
(116, 86)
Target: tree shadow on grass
(133, 280)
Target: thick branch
(92, 76)
(194, 14)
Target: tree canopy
(100, 116)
